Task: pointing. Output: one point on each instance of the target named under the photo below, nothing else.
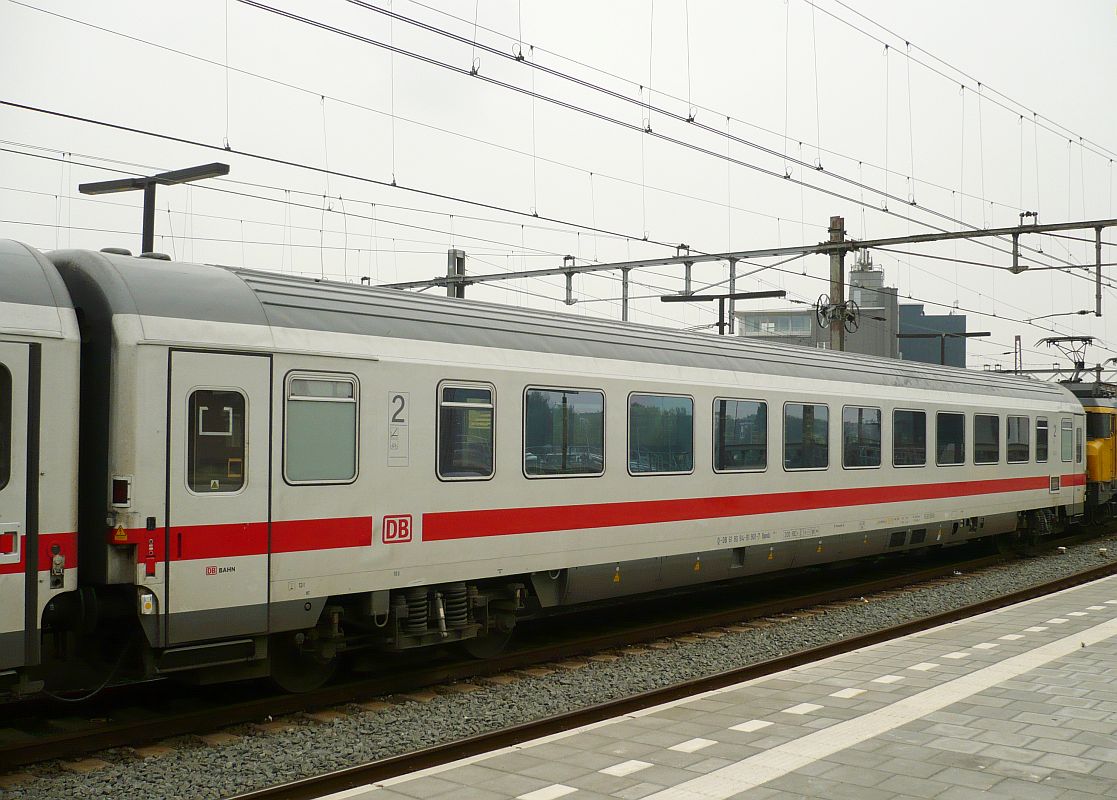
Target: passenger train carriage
(277, 470)
(38, 453)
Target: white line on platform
(786, 758)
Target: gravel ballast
(253, 758)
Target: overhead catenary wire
(595, 114)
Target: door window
(216, 453)
(5, 426)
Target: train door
(219, 474)
(18, 501)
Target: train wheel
(294, 671)
(489, 646)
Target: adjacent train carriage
(1099, 401)
(39, 349)
(291, 468)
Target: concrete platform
(1020, 703)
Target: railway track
(107, 732)
(382, 769)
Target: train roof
(144, 286)
(30, 283)
(29, 278)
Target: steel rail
(138, 732)
(382, 769)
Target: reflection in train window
(215, 452)
(1041, 440)
(909, 438)
(986, 439)
(860, 437)
(950, 438)
(1066, 439)
(740, 435)
(564, 432)
(1018, 435)
(321, 436)
(465, 432)
(5, 426)
(660, 434)
(806, 436)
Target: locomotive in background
(216, 473)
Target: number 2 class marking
(398, 417)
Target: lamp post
(721, 298)
(942, 337)
(148, 185)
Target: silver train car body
(276, 470)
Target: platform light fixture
(148, 184)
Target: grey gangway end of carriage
(39, 346)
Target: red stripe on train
(441, 526)
(67, 548)
(229, 540)
(320, 534)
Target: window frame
(523, 432)
(347, 377)
(997, 418)
(714, 435)
(628, 432)
(6, 458)
(922, 411)
(962, 449)
(1043, 424)
(880, 455)
(186, 450)
(1066, 424)
(450, 383)
(783, 437)
(1027, 438)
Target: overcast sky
(972, 112)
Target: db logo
(211, 570)
(397, 529)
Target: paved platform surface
(1020, 703)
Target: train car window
(216, 456)
(1066, 439)
(806, 436)
(1098, 426)
(1077, 444)
(986, 439)
(660, 434)
(564, 432)
(1041, 440)
(465, 432)
(860, 437)
(740, 435)
(5, 426)
(320, 445)
(1018, 435)
(909, 438)
(950, 438)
